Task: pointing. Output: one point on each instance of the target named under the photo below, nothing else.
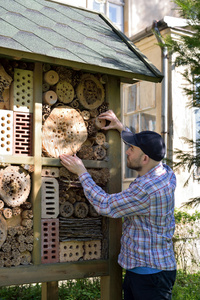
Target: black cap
(150, 142)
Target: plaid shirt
(147, 207)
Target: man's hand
(114, 121)
(73, 164)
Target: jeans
(156, 286)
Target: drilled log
(51, 77)
(99, 123)
(66, 209)
(80, 210)
(99, 152)
(7, 212)
(64, 131)
(14, 185)
(1, 204)
(86, 115)
(50, 97)
(65, 91)
(90, 92)
(16, 211)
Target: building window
(113, 9)
(139, 113)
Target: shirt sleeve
(133, 200)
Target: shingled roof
(46, 31)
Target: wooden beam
(36, 185)
(50, 290)
(111, 286)
(29, 56)
(53, 272)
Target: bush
(186, 287)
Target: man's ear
(146, 159)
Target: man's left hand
(73, 163)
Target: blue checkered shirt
(147, 207)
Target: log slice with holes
(90, 92)
(64, 131)
(15, 185)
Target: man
(147, 207)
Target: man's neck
(148, 167)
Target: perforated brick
(6, 132)
(23, 124)
(50, 241)
(50, 172)
(71, 251)
(92, 250)
(22, 90)
(50, 197)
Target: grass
(187, 287)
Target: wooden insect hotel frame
(60, 67)
(49, 230)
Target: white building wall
(183, 126)
(141, 14)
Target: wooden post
(36, 185)
(111, 286)
(50, 290)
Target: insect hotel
(60, 67)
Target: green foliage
(186, 287)
(81, 289)
(21, 292)
(184, 217)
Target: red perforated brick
(23, 133)
(50, 241)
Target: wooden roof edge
(132, 47)
(33, 57)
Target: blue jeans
(156, 286)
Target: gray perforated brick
(50, 197)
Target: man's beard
(136, 167)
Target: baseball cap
(150, 142)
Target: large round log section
(64, 131)
(14, 185)
(90, 92)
